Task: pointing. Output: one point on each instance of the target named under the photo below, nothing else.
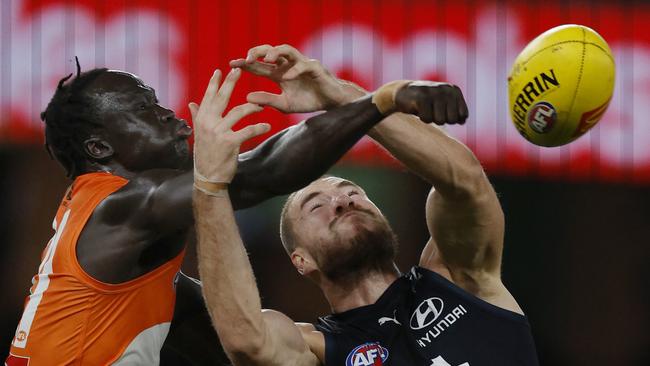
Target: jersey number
(439, 361)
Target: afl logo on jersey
(21, 336)
(426, 313)
(367, 354)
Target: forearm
(229, 287)
(426, 150)
(296, 156)
(429, 152)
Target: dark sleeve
(191, 338)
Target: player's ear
(303, 262)
(97, 148)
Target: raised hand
(306, 85)
(216, 145)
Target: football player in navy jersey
(450, 309)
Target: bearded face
(372, 247)
(342, 230)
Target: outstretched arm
(283, 163)
(248, 336)
(463, 213)
(292, 158)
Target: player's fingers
(251, 131)
(255, 68)
(238, 62)
(290, 52)
(226, 90)
(296, 70)
(272, 55)
(265, 98)
(194, 109)
(439, 111)
(238, 113)
(284, 50)
(463, 111)
(425, 111)
(282, 61)
(213, 87)
(257, 52)
(452, 111)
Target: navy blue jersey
(423, 319)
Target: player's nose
(166, 113)
(342, 203)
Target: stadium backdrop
(175, 45)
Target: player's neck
(113, 168)
(365, 289)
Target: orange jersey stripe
(71, 318)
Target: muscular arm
(248, 336)
(463, 213)
(292, 158)
(283, 163)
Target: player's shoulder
(132, 198)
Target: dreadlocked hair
(70, 118)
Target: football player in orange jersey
(122, 226)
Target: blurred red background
(576, 251)
(175, 46)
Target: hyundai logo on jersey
(367, 354)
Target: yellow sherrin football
(560, 85)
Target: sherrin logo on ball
(560, 85)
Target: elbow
(245, 348)
(469, 182)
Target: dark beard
(371, 250)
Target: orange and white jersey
(71, 318)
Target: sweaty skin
(463, 215)
(146, 144)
